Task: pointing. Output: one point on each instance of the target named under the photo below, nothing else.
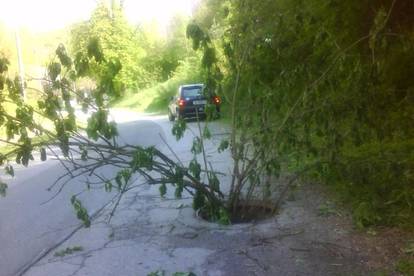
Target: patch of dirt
(250, 212)
(310, 235)
(383, 247)
(379, 248)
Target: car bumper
(194, 111)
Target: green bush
(378, 180)
(331, 85)
(405, 267)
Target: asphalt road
(29, 226)
(149, 233)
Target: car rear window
(192, 92)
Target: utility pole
(20, 62)
(111, 5)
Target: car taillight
(181, 102)
(216, 100)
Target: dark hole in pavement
(248, 212)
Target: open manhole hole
(247, 212)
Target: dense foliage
(325, 87)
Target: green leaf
(63, 56)
(197, 146)
(9, 170)
(157, 273)
(126, 175)
(68, 251)
(54, 70)
(3, 189)
(4, 64)
(206, 133)
(213, 182)
(179, 174)
(179, 189)
(224, 217)
(223, 146)
(81, 212)
(114, 66)
(118, 180)
(195, 168)
(143, 158)
(95, 50)
(179, 128)
(72, 199)
(81, 65)
(108, 186)
(199, 200)
(163, 189)
(2, 82)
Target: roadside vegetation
(316, 91)
(155, 99)
(326, 89)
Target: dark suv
(190, 102)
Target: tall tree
(119, 40)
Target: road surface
(29, 226)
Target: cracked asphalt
(149, 233)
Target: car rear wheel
(170, 116)
(180, 116)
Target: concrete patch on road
(135, 246)
(150, 233)
(63, 268)
(159, 215)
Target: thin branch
(171, 150)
